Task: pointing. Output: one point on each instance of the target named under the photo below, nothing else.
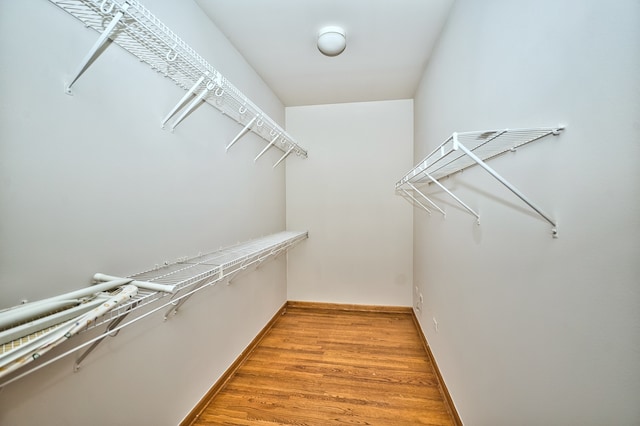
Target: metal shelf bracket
(96, 49)
(286, 154)
(266, 148)
(112, 325)
(184, 99)
(427, 198)
(509, 186)
(462, 203)
(244, 131)
(194, 103)
(175, 305)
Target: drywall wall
(360, 242)
(533, 330)
(91, 183)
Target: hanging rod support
(182, 101)
(510, 187)
(243, 132)
(95, 50)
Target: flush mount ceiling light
(332, 41)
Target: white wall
(534, 330)
(91, 183)
(360, 243)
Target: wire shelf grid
(211, 267)
(151, 41)
(188, 275)
(447, 159)
(463, 150)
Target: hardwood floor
(331, 367)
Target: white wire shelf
(135, 29)
(463, 150)
(182, 279)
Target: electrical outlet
(435, 324)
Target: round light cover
(332, 41)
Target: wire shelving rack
(134, 28)
(184, 278)
(463, 150)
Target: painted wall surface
(533, 330)
(91, 183)
(360, 240)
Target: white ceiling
(388, 45)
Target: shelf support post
(95, 50)
(243, 132)
(266, 148)
(416, 200)
(179, 105)
(209, 87)
(509, 186)
(462, 203)
(232, 275)
(286, 154)
(427, 198)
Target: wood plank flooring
(331, 367)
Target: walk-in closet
(319, 212)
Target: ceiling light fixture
(332, 41)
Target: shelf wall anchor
(96, 49)
(113, 324)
